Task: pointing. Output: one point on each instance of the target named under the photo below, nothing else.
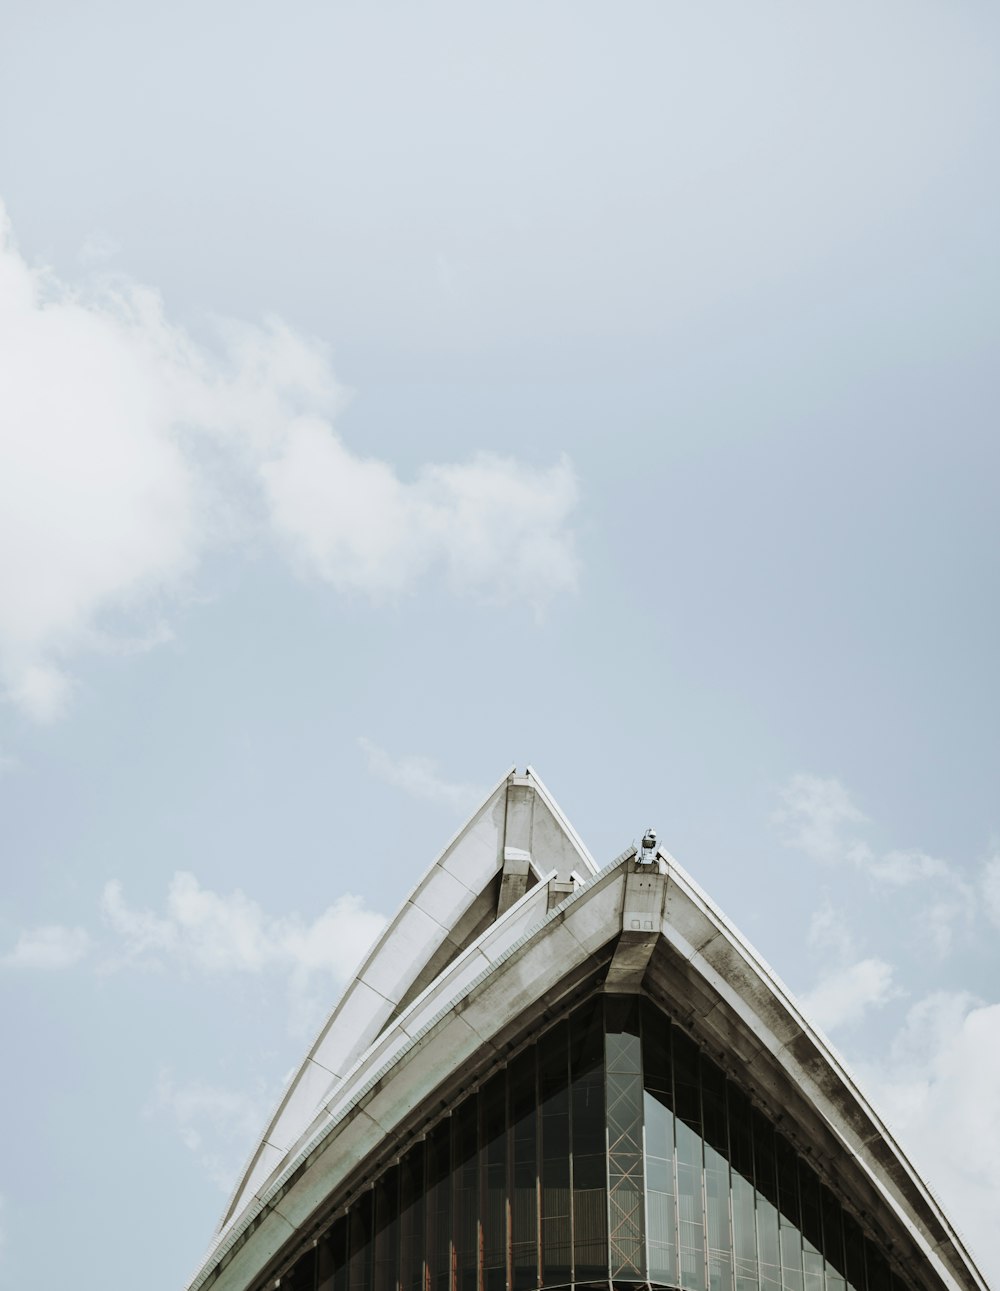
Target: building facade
(549, 1075)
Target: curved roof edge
(515, 834)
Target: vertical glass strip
(854, 1251)
(359, 1273)
(833, 1242)
(524, 1172)
(302, 1276)
(766, 1181)
(493, 1181)
(626, 1182)
(387, 1231)
(658, 1119)
(411, 1220)
(789, 1215)
(437, 1251)
(877, 1269)
(744, 1197)
(331, 1274)
(589, 1144)
(553, 1090)
(812, 1229)
(717, 1186)
(690, 1195)
(465, 1195)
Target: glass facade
(610, 1150)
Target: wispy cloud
(844, 996)
(419, 777)
(214, 1123)
(52, 946)
(939, 1087)
(214, 932)
(812, 814)
(817, 816)
(116, 424)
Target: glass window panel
(359, 1275)
(854, 1251)
(789, 1210)
(717, 1187)
(553, 1082)
(589, 1144)
(437, 1251)
(833, 1241)
(812, 1229)
(877, 1269)
(493, 1166)
(411, 1220)
(465, 1195)
(387, 1231)
(512, 1189)
(332, 1258)
(302, 1276)
(626, 1192)
(524, 1166)
(766, 1183)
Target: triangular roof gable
(518, 826)
(647, 928)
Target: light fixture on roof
(647, 850)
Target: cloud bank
(418, 777)
(127, 449)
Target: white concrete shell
(509, 924)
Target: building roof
(512, 920)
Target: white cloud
(51, 946)
(939, 1089)
(214, 1123)
(214, 932)
(126, 449)
(901, 868)
(813, 813)
(991, 889)
(818, 817)
(845, 995)
(418, 777)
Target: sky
(393, 393)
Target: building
(549, 1075)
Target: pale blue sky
(391, 392)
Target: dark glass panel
(332, 1258)
(411, 1220)
(437, 1251)
(524, 1168)
(359, 1273)
(717, 1187)
(833, 1241)
(790, 1214)
(812, 1229)
(690, 1197)
(744, 1199)
(766, 1182)
(553, 1085)
(465, 1182)
(589, 1144)
(387, 1231)
(626, 1199)
(302, 1275)
(658, 1114)
(877, 1269)
(854, 1251)
(493, 1167)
